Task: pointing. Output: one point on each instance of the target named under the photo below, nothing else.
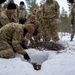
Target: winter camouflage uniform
(10, 41)
(72, 18)
(50, 15)
(7, 18)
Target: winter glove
(35, 33)
(26, 57)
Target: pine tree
(64, 25)
(31, 4)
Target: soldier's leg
(47, 36)
(53, 31)
(72, 35)
(6, 50)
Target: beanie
(11, 6)
(29, 28)
(22, 3)
(1, 1)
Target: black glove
(72, 22)
(35, 33)
(26, 57)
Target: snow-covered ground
(53, 63)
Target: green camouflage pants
(72, 33)
(6, 51)
(50, 30)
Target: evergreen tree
(65, 23)
(42, 1)
(31, 4)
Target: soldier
(7, 16)
(22, 13)
(36, 24)
(72, 18)
(11, 36)
(6, 4)
(16, 14)
(50, 16)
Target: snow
(52, 62)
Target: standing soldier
(72, 18)
(22, 13)
(50, 16)
(7, 15)
(11, 36)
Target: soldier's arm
(57, 9)
(4, 19)
(16, 42)
(14, 18)
(72, 14)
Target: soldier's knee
(10, 54)
(7, 54)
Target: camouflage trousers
(50, 30)
(72, 34)
(6, 51)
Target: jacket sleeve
(72, 14)
(4, 20)
(17, 36)
(57, 9)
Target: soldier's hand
(26, 57)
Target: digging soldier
(72, 18)
(11, 36)
(50, 16)
(7, 15)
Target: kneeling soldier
(11, 36)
